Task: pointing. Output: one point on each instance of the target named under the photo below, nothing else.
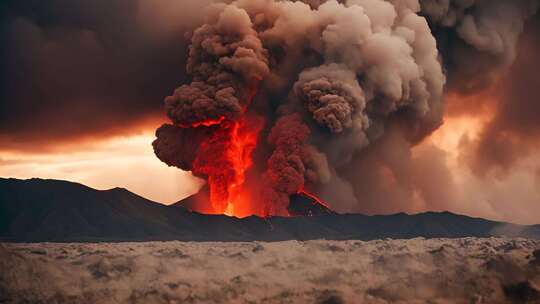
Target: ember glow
(224, 159)
(314, 198)
(206, 123)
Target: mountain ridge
(37, 210)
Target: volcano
(301, 204)
(266, 114)
(51, 210)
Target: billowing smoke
(292, 163)
(512, 133)
(477, 38)
(334, 98)
(335, 77)
(226, 58)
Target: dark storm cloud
(77, 67)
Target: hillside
(51, 210)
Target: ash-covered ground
(470, 270)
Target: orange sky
(513, 196)
(121, 161)
(128, 161)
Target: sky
(125, 161)
(128, 161)
(82, 91)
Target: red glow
(206, 123)
(314, 198)
(224, 159)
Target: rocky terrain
(467, 270)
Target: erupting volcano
(308, 99)
(328, 75)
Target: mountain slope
(52, 210)
(59, 210)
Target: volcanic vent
(301, 204)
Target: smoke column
(324, 96)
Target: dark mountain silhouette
(51, 210)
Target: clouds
(118, 161)
(514, 131)
(76, 68)
(333, 96)
(477, 38)
(371, 61)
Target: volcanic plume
(293, 97)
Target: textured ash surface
(470, 270)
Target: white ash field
(469, 270)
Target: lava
(314, 198)
(224, 159)
(206, 123)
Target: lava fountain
(224, 159)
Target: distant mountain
(51, 210)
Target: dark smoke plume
(292, 164)
(477, 38)
(513, 132)
(226, 58)
(359, 64)
(339, 76)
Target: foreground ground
(470, 270)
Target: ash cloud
(177, 146)
(333, 96)
(225, 58)
(293, 163)
(478, 38)
(360, 83)
(512, 134)
(418, 180)
(367, 63)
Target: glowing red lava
(224, 158)
(314, 198)
(207, 123)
